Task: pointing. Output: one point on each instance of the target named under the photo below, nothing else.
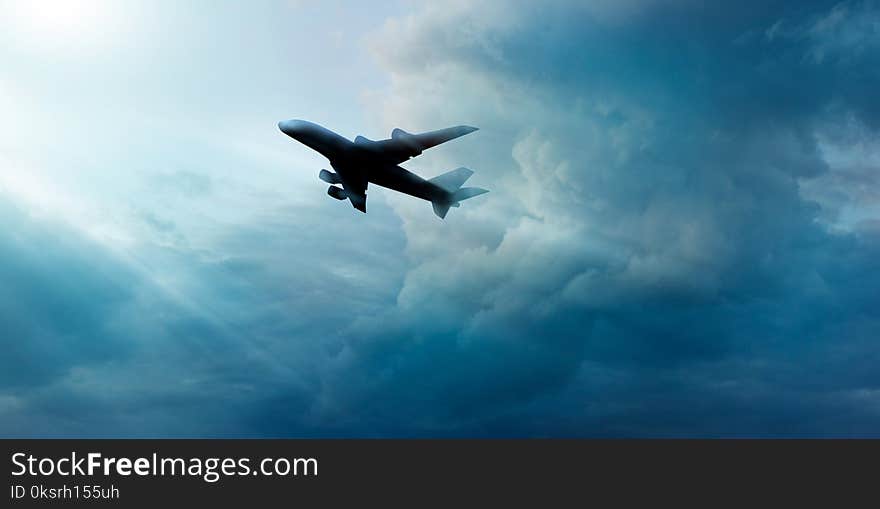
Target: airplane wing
(355, 185)
(403, 145)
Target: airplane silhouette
(364, 161)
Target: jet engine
(329, 177)
(336, 192)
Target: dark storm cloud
(659, 271)
(180, 339)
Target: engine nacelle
(329, 177)
(337, 192)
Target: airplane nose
(290, 127)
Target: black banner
(412, 473)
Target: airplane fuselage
(348, 157)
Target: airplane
(365, 161)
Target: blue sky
(681, 239)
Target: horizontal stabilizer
(441, 208)
(451, 183)
(467, 192)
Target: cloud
(646, 251)
(53, 301)
(182, 337)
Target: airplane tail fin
(451, 182)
